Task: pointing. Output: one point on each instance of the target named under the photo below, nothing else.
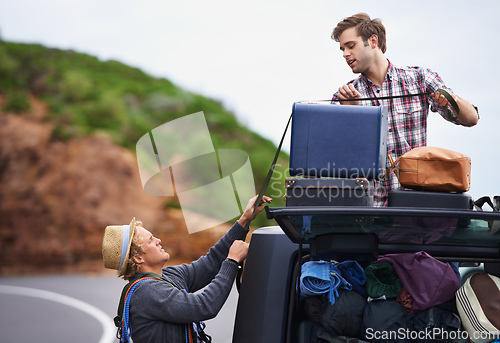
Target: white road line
(108, 334)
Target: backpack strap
(122, 319)
(123, 335)
(125, 327)
(118, 318)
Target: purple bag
(430, 282)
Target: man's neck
(156, 270)
(377, 72)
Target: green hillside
(86, 95)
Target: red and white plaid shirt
(407, 121)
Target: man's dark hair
(365, 28)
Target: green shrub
(75, 86)
(17, 102)
(8, 67)
(108, 112)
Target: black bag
(386, 321)
(408, 198)
(343, 318)
(438, 325)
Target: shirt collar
(390, 71)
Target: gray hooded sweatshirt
(160, 311)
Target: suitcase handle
(447, 113)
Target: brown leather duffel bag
(433, 169)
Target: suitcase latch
(289, 183)
(363, 183)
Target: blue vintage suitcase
(338, 140)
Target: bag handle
(493, 225)
(479, 203)
(392, 166)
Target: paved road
(74, 308)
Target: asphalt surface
(76, 308)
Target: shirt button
(390, 130)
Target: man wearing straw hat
(160, 304)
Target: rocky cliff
(57, 197)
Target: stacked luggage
(408, 297)
(337, 155)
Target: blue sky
(259, 57)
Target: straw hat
(116, 246)
(478, 305)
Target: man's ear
(373, 41)
(138, 259)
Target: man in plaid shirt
(363, 44)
